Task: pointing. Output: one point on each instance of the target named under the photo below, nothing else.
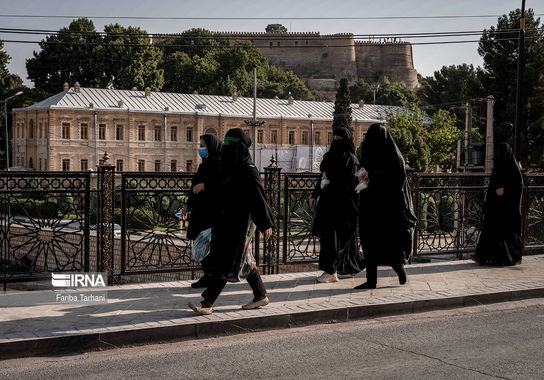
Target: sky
(427, 58)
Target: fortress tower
(321, 60)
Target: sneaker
(325, 277)
(256, 304)
(200, 309)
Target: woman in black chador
(201, 201)
(500, 239)
(386, 216)
(241, 199)
(336, 214)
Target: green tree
(441, 136)
(128, 66)
(498, 47)
(275, 28)
(406, 127)
(282, 83)
(222, 66)
(388, 93)
(342, 107)
(361, 90)
(73, 54)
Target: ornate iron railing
(152, 236)
(533, 211)
(44, 223)
(53, 221)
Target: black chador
(500, 240)
(386, 216)
(202, 205)
(241, 199)
(336, 213)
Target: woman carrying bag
(241, 201)
(386, 215)
(200, 208)
(336, 213)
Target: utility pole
(254, 123)
(468, 133)
(489, 135)
(519, 92)
(311, 142)
(6, 130)
(375, 87)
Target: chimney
(166, 108)
(276, 97)
(234, 96)
(134, 88)
(195, 92)
(361, 103)
(290, 99)
(148, 92)
(121, 104)
(66, 86)
(91, 105)
(77, 87)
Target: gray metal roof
(136, 101)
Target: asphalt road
(496, 341)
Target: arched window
(211, 131)
(31, 129)
(30, 163)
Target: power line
(258, 18)
(246, 36)
(237, 46)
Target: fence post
(524, 208)
(415, 199)
(272, 184)
(105, 218)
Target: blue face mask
(202, 153)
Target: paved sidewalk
(143, 313)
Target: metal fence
(128, 224)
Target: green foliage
(424, 144)
(406, 127)
(388, 93)
(63, 58)
(342, 107)
(275, 28)
(441, 136)
(448, 89)
(215, 64)
(499, 50)
(128, 66)
(93, 60)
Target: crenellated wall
(314, 56)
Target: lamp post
(6, 127)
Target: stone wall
(334, 56)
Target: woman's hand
(363, 176)
(185, 212)
(500, 191)
(312, 202)
(268, 233)
(198, 188)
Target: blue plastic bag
(201, 245)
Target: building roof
(212, 105)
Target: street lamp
(6, 127)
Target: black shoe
(402, 274)
(204, 282)
(366, 285)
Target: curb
(117, 339)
